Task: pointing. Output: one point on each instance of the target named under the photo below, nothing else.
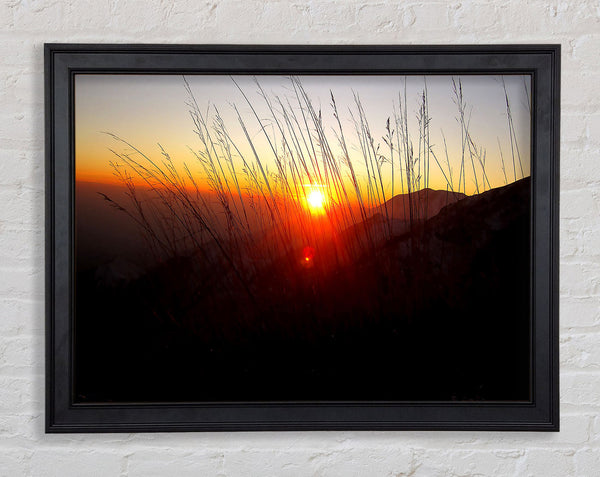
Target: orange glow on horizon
(111, 180)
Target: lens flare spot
(308, 254)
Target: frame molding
(62, 61)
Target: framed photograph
(301, 238)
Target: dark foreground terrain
(439, 311)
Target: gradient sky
(150, 109)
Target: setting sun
(315, 198)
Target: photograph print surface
(302, 238)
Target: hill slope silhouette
(437, 310)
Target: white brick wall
(24, 449)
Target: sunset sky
(147, 110)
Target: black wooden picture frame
(65, 414)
